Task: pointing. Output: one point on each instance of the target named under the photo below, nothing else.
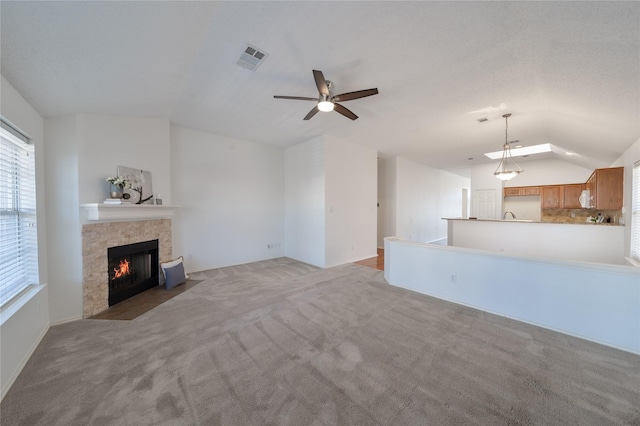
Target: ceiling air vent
(251, 58)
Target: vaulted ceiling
(568, 72)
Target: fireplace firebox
(133, 268)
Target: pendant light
(508, 167)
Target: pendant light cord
(506, 128)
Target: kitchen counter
(601, 243)
(530, 221)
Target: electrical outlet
(454, 279)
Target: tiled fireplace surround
(97, 238)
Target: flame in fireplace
(122, 269)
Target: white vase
(115, 191)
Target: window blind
(635, 213)
(18, 231)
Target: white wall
(231, 198)
(24, 323)
(627, 160)
(549, 172)
(387, 199)
(595, 302)
(105, 142)
(524, 207)
(63, 216)
(350, 202)
(424, 196)
(587, 243)
(305, 202)
(330, 192)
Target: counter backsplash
(579, 215)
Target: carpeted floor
(281, 342)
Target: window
(18, 233)
(635, 213)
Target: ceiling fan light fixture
(325, 106)
(326, 100)
(508, 168)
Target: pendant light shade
(508, 167)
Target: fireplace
(133, 268)
(98, 237)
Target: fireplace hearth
(133, 268)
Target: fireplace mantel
(115, 212)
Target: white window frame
(18, 226)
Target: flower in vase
(119, 181)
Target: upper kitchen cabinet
(551, 196)
(606, 187)
(530, 190)
(561, 196)
(571, 196)
(516, 191)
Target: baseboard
(439, 241)
(64, 321)
(346, 262)
(24, 361)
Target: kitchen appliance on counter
(585, 199)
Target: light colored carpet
(281, 342)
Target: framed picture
(140, 190)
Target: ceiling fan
(327, 101)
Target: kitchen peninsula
(588, 242)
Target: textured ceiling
(569, 72)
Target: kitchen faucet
(504, 216)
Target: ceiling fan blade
(344, 111)
(297, 98)
(313, 112)
(321, 83)
(355, 95)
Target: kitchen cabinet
(591, 187)
(551, 196)
(561, 196)
(516, 191)
(530, 190)
(513, 191)
(571, 196)
(606, 188)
